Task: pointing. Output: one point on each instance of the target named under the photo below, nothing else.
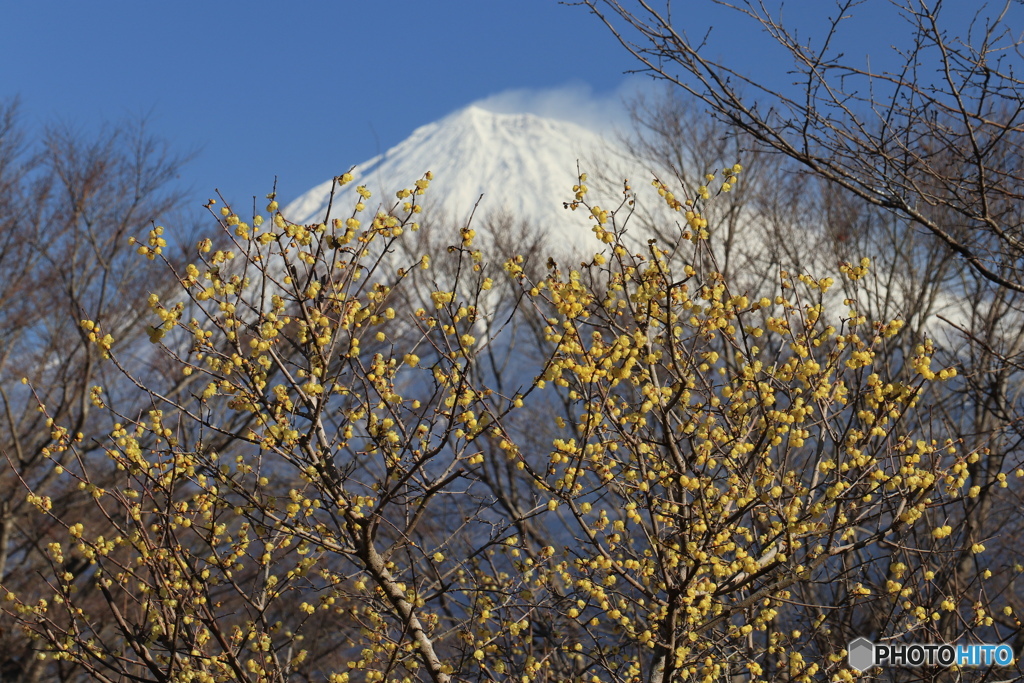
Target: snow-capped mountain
(522, 164)
(526, 165)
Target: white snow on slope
(520, 163)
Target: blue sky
(302, 90)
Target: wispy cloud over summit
(575, 102)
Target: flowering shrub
(695, 481)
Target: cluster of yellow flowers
(716, 449)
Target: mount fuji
(520, 164)
(525, 166)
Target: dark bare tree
(69, 202)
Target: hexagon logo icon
(861, 654)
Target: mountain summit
(522, 164)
